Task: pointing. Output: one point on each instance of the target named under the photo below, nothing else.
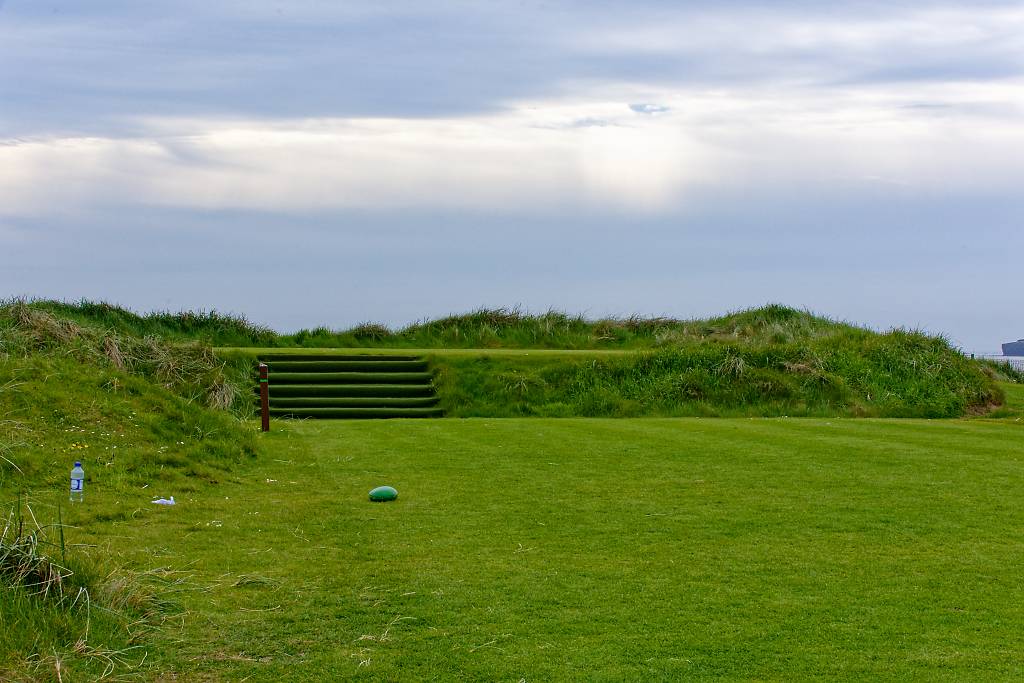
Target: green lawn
(609, 550)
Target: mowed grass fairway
(599, 550)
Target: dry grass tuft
(222, 394)
(41, 326)
(112, 350)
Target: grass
(768, 361)
(185, 326)
(65, 615)
(57, 409)
(532, 549)
(134, 411)
(514, 328)
(499, 328)
(899, 374)
(653, 549)
(1014, 405)
(857, 373)
(189, 368)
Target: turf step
(278, 357)
(343, 390)
(355, 413)
(354, 402)
(374, 365)
(351, 378)
(346, 386)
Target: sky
(314, 162)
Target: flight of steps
(350, 386)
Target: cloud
(93, 68)
(751, 44)
(590, 122)
(588, 153)
(503, 160)
(650, 109)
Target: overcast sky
(322, 162)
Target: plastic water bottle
(77, 483)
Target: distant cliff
(1014, 348)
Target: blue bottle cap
(78, 464)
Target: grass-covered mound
(210, 327)
(117, 400)
(776, 357)
(508, 328)
(484, 328)
(767, 361)
(850, 372)
(772, 360)
(136, 412)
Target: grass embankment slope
(770, 361)
(134, 412)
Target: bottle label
(76, 484)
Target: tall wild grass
(67, 615)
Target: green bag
(383, 494)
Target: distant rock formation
(1014, 348)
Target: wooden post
(265, 396)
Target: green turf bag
(383, 494)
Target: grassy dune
(767, 361)
(899, 374)
(861, 373)
(500, 328)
